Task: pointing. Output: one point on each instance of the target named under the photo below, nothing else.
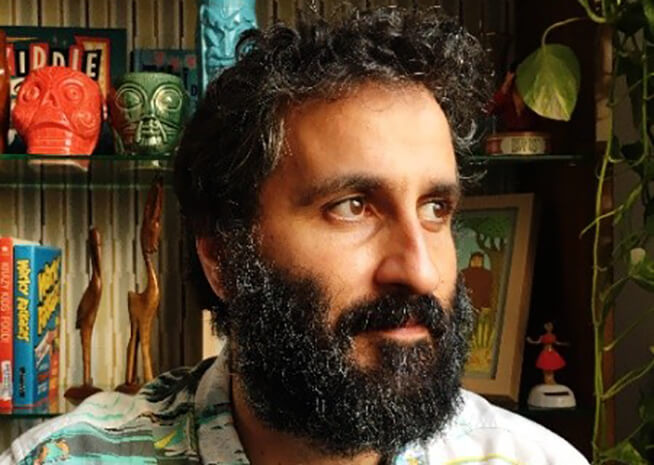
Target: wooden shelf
(56, 407)
(526, 159)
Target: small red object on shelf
(4, 93)
(58, 111)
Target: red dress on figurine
(549, 359)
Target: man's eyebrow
(353, 182)
(367, 183)
(449, 189)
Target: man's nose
(407, 261)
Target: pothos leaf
(648, 9)
(548, 81)
(631, 19)
(643, 274)
(626, 453)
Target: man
(320, 178)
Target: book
(37, 306)
(7, 319)
(182, 63)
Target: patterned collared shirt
(184, 417)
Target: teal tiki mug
(220, 24)
(147, 112)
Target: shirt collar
(218, 441)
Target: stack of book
(30, 306)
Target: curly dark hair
(235, 137)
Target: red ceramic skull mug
(58, 111)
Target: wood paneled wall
(62, 215)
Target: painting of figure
(485, 240)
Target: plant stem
(559, 24)
(635, 432)
(600, 218)
(630, 89)
(608, 297)
(597, 323)
(591, 14)
(631, 327)
(598, 319)
(627, 379)
(597, 224)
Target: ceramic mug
(147, 113)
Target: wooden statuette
(143, 306)
(87, 310)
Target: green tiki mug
(148, 112)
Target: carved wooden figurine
(87, 310)
(143, 306)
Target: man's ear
(207, 249)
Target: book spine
(46, 333)
(25, 379)
(6, 321)
(52, 329)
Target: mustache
(393, 311)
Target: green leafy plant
(548, 81)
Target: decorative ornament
(143, 306)
(87, 310)
(58, 111)
(550, 394)
(516, 123)
(147, 113)
(220, 24)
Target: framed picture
(495, 239)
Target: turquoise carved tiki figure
(148, 112)
(220, 24)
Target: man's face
(363, 200)
(347, 326)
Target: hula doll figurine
(549, 359)
(550, 394)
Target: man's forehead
(369, 96)
(373, 126)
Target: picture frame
(495, 241)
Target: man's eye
(434, 211)
(348, 209)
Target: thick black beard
(300, 377)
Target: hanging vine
(557, 70)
